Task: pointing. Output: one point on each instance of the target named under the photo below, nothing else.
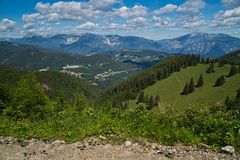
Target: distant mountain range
(208, 45)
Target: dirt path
(94, 150)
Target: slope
(170, 88)
(54, 83)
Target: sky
(153, 19)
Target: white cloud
(7, 25)
(230, 3)
(31, 17)
(138, 22)
(88, 26)
(191, 21)
(71, 11)
(191, 6)
(162, 21)
(136, 11)
(227, 18)
(103, 5)
(112, 26)
(166, 9)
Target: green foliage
(197, 125)
(200, 81)
(232, 71)
(141, 97)
(29, 99)
(157, 100)
(220, 81)
(170, 88)
(211, 69)
(185, 89)
(191, 86)
(130, 88)
(151, 103)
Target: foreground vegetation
(30, 113)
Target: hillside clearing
(170, 88)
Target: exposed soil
(101, 149)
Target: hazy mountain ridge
(209, 45)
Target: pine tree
(200, 81)
(238, 95)
(210, 69)
(220, 64)
(141, 98)
(151, 103)
(220, 81)
(186, 89)
(238, 99)
(157, 100)
(202, 61)
(146, 99)
(228, 103)
(191, 86)
(232, 71)
(207, 61)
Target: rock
(91, 141)
(170, 155)
(81, 145)
(135, 145)
(102, 138)
(202, 146)
(127, 143)
(228, 149)
(107, 146)
(58, 142)
(9, 140)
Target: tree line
(129, 89)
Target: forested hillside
(54, 83)
(233, 57)
(129, 88)
(170, 90)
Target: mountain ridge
(205, 44)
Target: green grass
(170, 88)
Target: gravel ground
(101, 149)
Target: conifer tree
(185, 89)
(151, 103)
(202, 61)
(210, 69)
(146, 99)
(200, 81)
(207, 61)
(232, 71)
(238, 99)
(238, 95)
(157, 100)
(220, 81)
(220, 64)
(141, 98)
(191, 86)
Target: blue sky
(154, 19)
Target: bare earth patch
(101, 149)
